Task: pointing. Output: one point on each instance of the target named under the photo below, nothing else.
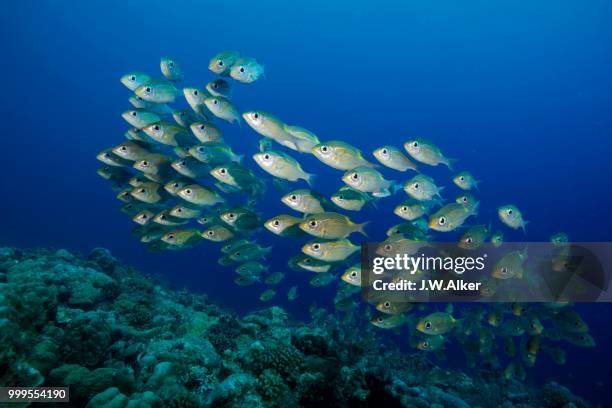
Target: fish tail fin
(474, 210)
(396, 186)
(360, 228)
(450, 163)
(367, 163)
(524, 226)
(440, 189)
(372, 202)
(437, 201)
(310, 177)
(459, 322)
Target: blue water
(519, 92)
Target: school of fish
(181, 183)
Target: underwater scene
(312, 204)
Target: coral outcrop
(119, 339)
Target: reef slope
(118, 338)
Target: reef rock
(119, 339)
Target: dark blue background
(518, 92)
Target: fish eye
(106, 156)
(133, 78)
(141, 191)
(427, 325)
(266, 156)
(509, 211)
(216, 102)
(461, 178)
(416, 186)
(504, 270)
(316, 247)
(134, 113)
(156, 127)
(231, 215)
(468, 240)
(210, 233)
(214, 85)
(237, 253)
(171, 236)
(188, 191)
(276, 223)
(354, 274)
(182, 163)
(307, 260)
(404, 208)
(384, 152)
(379, 320)
(145, 163)
(442, 220)
(425, 344)
(293, 197)
(415, 144)
(162, 217)
(355, 176)
(324, 149)
(144, 216)
(220, 63)
(148, 89)
(175, 185)
(171, 64)
(222, 171)
(241, 69)
(123, 148)
(201, 149)
(388, 247)
(464, 199)
(312, 223)
(341, 197)
(387, 305)
(195, 93)
(179, 210)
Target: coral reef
(119, 339)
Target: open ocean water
(518, 92)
